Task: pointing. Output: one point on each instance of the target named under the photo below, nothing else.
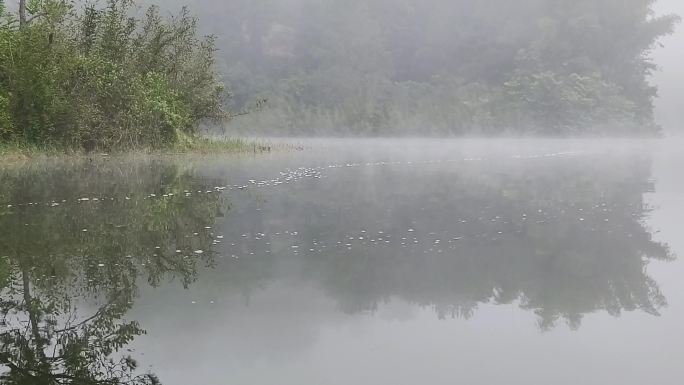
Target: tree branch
(100, 311)
(37, 15)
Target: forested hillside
(383, 67)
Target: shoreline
(13, 153)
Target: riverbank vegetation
(93, 76)
(12, 153)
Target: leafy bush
(95, 77)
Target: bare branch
(37, 15)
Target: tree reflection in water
(559, 237)
(77, 240)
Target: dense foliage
(95, 76)
(548, 67)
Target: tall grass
(17, 152)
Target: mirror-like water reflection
(79, 239)
(244, 267)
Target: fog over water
(368, 261)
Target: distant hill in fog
(382, 67)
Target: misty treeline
(103, 74)
(115, 73)
(382, 67)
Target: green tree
(92, 76)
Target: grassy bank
(12, 152)
(16, 152)
(219, 146)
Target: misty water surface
(351, 262)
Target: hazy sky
(670, 105)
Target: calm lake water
(351, 262)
